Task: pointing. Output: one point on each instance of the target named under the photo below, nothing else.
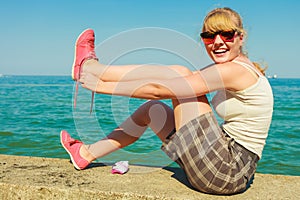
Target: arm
(207, 80)
(118, 73)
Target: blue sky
(37, 37)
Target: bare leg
(154, 114)
(133, 72)
(187, 109)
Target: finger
(82, 78)
(84, 86)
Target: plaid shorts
(213, 162)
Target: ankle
(94, 67)
(84, 153)
(87, 65)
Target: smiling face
(223, 47)
(221, 51)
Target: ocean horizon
(34, 109)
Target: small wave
(6, 133)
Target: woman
(216, 159)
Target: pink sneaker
(72, 146)
(84, 50)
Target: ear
(241, 38)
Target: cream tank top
(247, 114)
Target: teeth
(219, 51)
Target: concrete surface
(48, 178)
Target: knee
(147, 106)
(141, 115)
(154, 105)
(151, 103)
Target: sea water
(34, 109)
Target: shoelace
(73, 141)
(75, 97)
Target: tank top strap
(252, 70)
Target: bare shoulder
(235, 76)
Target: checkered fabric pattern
(213, 162)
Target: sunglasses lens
(209, 37)
(227, 36)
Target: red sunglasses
(210, 37)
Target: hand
(90, 81)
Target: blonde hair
(226, 19)
(223, 19)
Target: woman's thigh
(187, 109)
